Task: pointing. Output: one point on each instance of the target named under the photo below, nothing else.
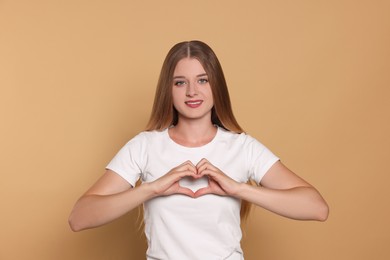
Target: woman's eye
(203, 81)
(179, 83)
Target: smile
(193, 103)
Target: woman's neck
(192, 134)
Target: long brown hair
(164, 114)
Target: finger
(205, 165)
(202, 168)
(188, 165)
(202, 162)
(211, 173)
(186, 191)
(176, 176)
(188, 162)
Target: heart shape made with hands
(194, 184)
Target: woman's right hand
(112, 196)
(168, 184)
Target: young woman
(195, 163)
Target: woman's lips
(194, 103)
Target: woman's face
(191, 91)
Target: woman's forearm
(301, 203)
(95, 210)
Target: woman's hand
(219, 182)
(169, 183)
(112, 196)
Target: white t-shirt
(179, 227)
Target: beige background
(310, 79)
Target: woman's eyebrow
(183, 77)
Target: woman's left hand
(219, 182)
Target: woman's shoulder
(149, 135)
(243, 140)
(242, 137)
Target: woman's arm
(281, 192)
(109, 198)
(286, 194)
(112, 196)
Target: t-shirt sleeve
(260, 159)
(129, 160)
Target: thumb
(186, 191)
(202, 191)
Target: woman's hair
(163, 112)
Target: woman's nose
(191, 90)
